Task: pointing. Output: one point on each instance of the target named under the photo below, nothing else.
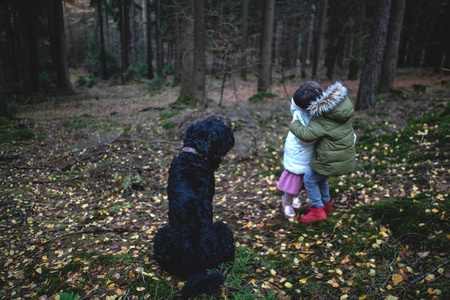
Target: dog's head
(211, 138)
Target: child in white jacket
(297, 154)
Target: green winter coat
(331, 125)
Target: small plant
(155, 84)
(47, 81)
(81, 81)
(132, 74)
(67, 296)
(261, 95)
(399, 92)
(419, 88)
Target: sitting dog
(191, 243)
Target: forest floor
(83, 181)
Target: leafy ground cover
(83, 193)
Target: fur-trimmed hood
(330, 100)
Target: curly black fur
(191, 243)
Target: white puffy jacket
(298, 154)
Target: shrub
(47, 81)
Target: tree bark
(124, 25)
(199, 53)
(321, 27)
(62, 69)
(265, 54)
(372, 66)
(4, 107)
(177, 50)
(244, 40)
(289, 37)
(102, 39)
(32, 50)
(150, 71)
(158, 37)
(188, 49)
(307, 21)
(392, 43)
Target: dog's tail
(207, 283)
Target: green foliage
(400, 92)
(413, 221)
(10, 133)
(261, 95)
(133, 74)
(93, 61)
(68, 296)
(81, 81)
(47, 81)
(155, 84)
(419, 88)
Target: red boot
(328, 208)
(314, 215)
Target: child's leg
(313, 186)
(311, 180)
(286, 205)
(324, 190)
(287, 199)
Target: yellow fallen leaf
(303, 280)
(118, 291)
(273, 272)
(397, 278)
(345, 260)
(429, 277)
(140, 289)
(249, 224)
(288, 285)
(39, 270)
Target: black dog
(191, 243)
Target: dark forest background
(95, 99)
(126, 40)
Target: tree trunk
(289, 38)
(199, 53)
(335, 34)
(32, 49)
(177, 50)
(124, 25)
(4, 107)
(244, 40)
(149, 42)
(133, 46)
(355, 60)
(62, 70)
(321, 27)
(392, 42)
(158, 37)
(371, 71)
(102, 39)
(188, 49)
(265, 54)
(307, 22)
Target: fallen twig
(420, 278)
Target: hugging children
(320, 144)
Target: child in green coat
(331, 125)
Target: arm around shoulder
(302, 132)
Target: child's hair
(306, 93)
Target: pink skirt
(290, 183)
